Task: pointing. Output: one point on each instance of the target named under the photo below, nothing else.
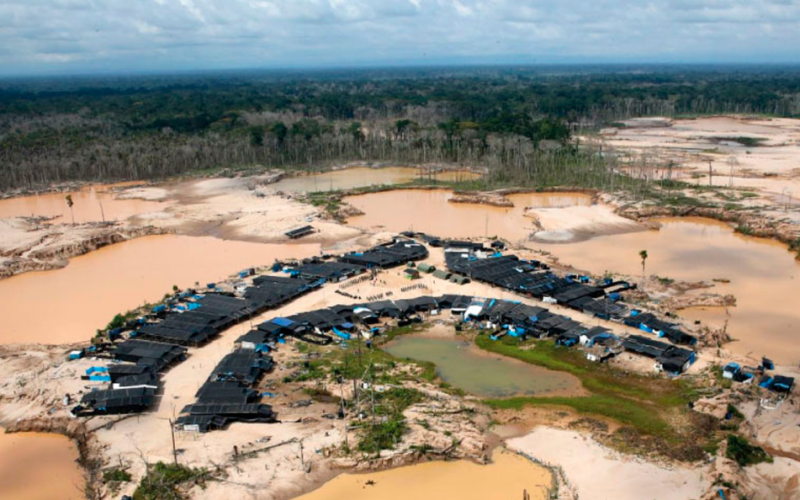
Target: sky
(91, 36)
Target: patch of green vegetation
(116, 475)
(741, 451)
(321, 395)
(744, 229)
(169, 482)
(388, 424)
(722, 382)
(645, 403)
(665, 281)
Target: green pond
(466, 367)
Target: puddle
(508, 476)
(87, 206)
(763, 276)
(357, 177)
(69, 304)
(412, 210)
(38, 466)
(465, 366)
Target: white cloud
(172, 34)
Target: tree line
(512, 121)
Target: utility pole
(174, 450)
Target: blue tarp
(94, 369)
(100, 378)
(341, 334)
(282, 322)
(161, 308)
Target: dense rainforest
(517, 122)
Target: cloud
(91, 35)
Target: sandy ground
(576, 223)
(597, 473)
(771, 168)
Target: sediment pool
(466, 367)
(90, 204)
(764, 276)
(69, 304)
(39, 466)
(430, 211)
(357, 177)
(507, 477)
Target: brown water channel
(764, 276)
(430, 211)
(69, 304)
(358, 177)
(466, 367)
(38, 466)
(90, 204)
(505, 478)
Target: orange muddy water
(90, 204)
(69, 304)
(507, 477)
(356, 177)
(429, 211)
(764, 276)
(38, 466)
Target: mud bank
(29, 246)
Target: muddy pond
(465, 366)
(357, 177)
(506, 477)
(38, 466)
(90, 204)
(69, 304)
(414, 210)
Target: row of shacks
(599, 299)
(148, 346)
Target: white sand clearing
(598, 473)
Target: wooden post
(174, 450)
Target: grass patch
(388, 424)
(645, 403)
(169, 482)
(116, 475)
(741, 451)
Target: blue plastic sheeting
(262, 348)
(281, 340)
(645, 328)
(341, 334)
(211, 285)
(94, 369)
(100, 378)
(348, 326)
(767, 383)
(76, 355)
(282, 322)
(161, 308)
(268, 395)
(516, 332)
(193, 306)
(614, 297)
(634, 313)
